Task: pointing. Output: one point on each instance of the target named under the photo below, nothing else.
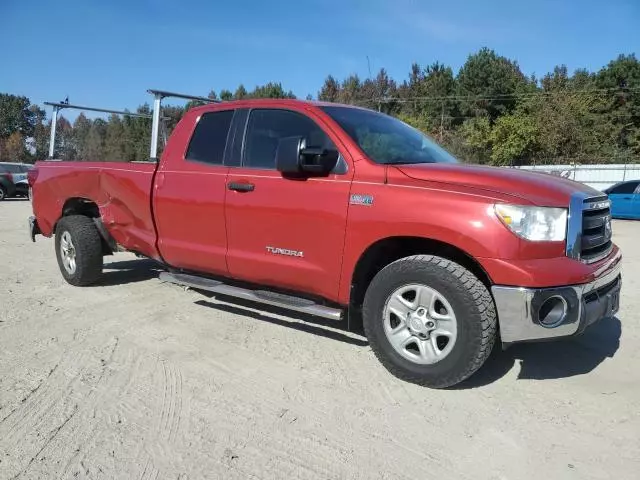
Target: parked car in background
(13, 180)
(625, 199)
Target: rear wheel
(429, 320)
(3, 193)
(79, 250)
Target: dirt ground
(136, 379)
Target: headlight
(538, 224)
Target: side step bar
(261, 296)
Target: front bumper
(521, 311)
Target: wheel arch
(387, 250)
(88, 208)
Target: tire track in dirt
(149, 472)
(102, 414)
(67, 386)
(170, 414)
(31, 413)
(52, 435)
(31, 392)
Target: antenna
(369, 66)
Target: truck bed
(121, 190)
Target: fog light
(552, 312)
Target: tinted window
(386, 139)
(266, 127)
(210, 137)
(628, 187)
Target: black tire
(474, 310)
(3, 193)
(88, 250)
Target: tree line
(488, 112)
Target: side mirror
(293, 156)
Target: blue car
(625, 199)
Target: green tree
(14, 148)
(95, 147)
(351, 90)
(81, 130)
(489, 84)
(115, 144)
(240, 93)
(474, 144)
(330, 90)
(41, 133)
(513, 139)
(271, 90)
(226, 95)
(432, 90)
(16, 116)
(621, 79)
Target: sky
(108, 53)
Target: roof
(248, 102)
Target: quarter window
(267, 126)
(209, 138)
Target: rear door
(282, 231)
(189, 195)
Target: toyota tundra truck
(343, 212)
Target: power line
(502, 96)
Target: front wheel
(3, 193)
(79, 250)
(429, 320)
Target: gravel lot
(136, 379)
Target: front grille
(595, 242)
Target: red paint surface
(198, 224)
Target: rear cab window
(209, 138)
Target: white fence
(598, 176)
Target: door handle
(626, 198)
(241, 187)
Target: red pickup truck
(336, 211)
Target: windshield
(386, 139)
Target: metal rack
(57, 106)
(158, 96)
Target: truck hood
(538, 188)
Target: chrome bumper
(519, 309)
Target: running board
(261, 296)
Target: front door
(621, 197)
(286, 232)
(635, 205)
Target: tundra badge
(357, 199)
(285, 251)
